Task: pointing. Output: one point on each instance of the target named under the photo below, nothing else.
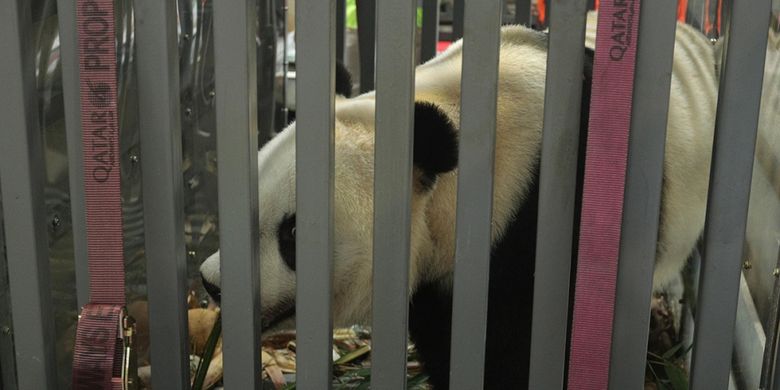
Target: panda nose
(213, 290)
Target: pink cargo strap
(99, 350)
(602, 204)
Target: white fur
(520, 106)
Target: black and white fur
(518, 136)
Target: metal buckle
(129, 362)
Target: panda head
(435, 154)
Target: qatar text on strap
(103, 357)
(602, 204)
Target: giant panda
(521, 89)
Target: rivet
(6, 329)
(776, 272)
(193, 182)
(747, 265)
(134, 158)
(55, 222)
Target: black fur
(510, 294)
(435, 142)
(343, 80)
(286, 237)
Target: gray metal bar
(22, 181)
(315, 151)
(732, 165)
(523, 12)
(770, 370)
(479, 87)
(557, 191)
(7, 358)
(457, 19)
(642, 203)
(396, 26)
(66, 11)
(236, 89)
(366, 10)
(430, 30)
(158, 90)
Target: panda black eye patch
(286, 235)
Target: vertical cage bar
(479, 88)
(396, 25)
(160, 131)
(366, 13)
(7, 358)
(430, 30)
(22, 178)
(236, 94)
(727, 204)
(523, 12)
(66, 15)
(770, 371)
(642, 203)
(315, 151)
(557, 192)
(458, 13)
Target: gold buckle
(129, 362)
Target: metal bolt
(193, 182)
(186, 36)
(55, 222)
(747, 265)
(134, 158)
(187, 112)
(6, 330)
(191, 253)
(776, 272)
(212, 94)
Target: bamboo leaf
(211, 344)
(353, 355)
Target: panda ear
(435, 142)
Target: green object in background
(352, 20)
